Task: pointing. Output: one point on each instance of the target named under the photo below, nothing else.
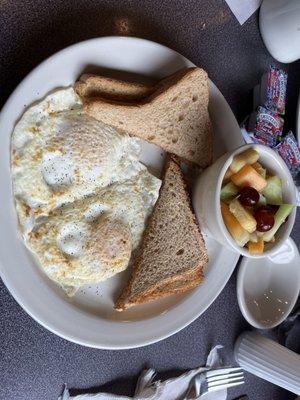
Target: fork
(213, 380)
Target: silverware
(223, 379)
(213, 380)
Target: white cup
(206, 198)
(279, 23)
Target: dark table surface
(35, 363)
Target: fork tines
(224, 378)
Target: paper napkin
(171, 389)
(243, 9)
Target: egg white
(90, 240)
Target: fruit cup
(207, 195)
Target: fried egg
(82, 196)
(59, 155)
(90, 240)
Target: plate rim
(9, 284)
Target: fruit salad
(252, 204)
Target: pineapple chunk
(254, 237)
(260, 169)
(244, 216)
(227, 175)
(249, 156)
(238, 233)
(247, 176)
(256, 248)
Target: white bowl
(267, 301)
(206, 198)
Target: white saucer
(268, 288)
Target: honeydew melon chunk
(229, 191)
(273, 190)
(282, 213)
(262, 200)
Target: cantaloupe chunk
(238, 233)
(247, 176)
(256, 248)
(249, 156)
(227, 175)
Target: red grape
(249, 196)
(264, 219)
(275, 209)
(265, 208)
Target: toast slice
(175, 116)
(172, 254)
(90, 85)
(185, 283)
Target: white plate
(89, 318)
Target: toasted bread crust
(90, 85)
(164, 289)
